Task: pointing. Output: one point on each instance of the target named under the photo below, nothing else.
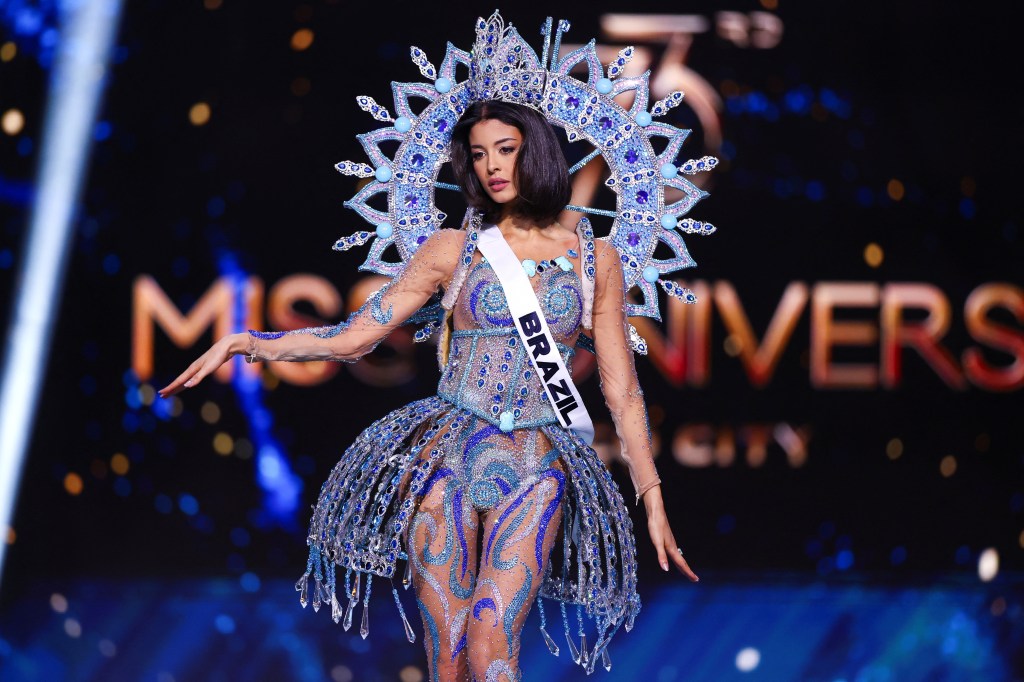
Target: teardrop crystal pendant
(301, 585)
(552, 647)
(364, 626)
(316, 595)
(348, 614)
(410, 634)
(606, 659)
(584, 651)
(355, 587)
(300, 582)
(572, 649)
(336, 612)
(407, 576)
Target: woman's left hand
(661, 534)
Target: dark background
(854, 95)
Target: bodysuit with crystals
(478, 494)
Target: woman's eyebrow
(502, 140)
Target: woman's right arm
(430, 267)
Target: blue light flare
(281, 486)
(81, 56)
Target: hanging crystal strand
(407, 576)
(584, 651)
(318, 579)
(352, 592)
(300, 586)
(568, 637)
(409, 634)
(552, 647)
(606, 659)
(336, 612)
(364, 625)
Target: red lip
(497, 183)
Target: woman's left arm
(625, 400)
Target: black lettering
(565, 407)
(559, 388)
(530, 324)
(548, 368)
(540, 345)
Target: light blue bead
(668, 171)
(530, 266)
(384, 230)
(442, 85)
(604, 86)
(506, 422)
(650, 274)
(668, 221)
(383, 174)
(643, 119)
(402, 124)
(563, 263)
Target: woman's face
(494, 146)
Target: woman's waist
(491, 375)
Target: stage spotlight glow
(988, 565)
(87, 31)
(747, 659)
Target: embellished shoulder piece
(585, 232)
(472, 227)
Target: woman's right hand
(220, 352)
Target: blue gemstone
(417, 160)
(632, 156)
(572, 101)
(633, 239)
(441, 125)
(421, 239)
(606, 123)
(642, 196)
(411, 200)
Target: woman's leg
(517, 538)
(442, 546)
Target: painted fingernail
(188, 383)
(664, 565)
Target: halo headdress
(503, 66)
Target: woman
(480, 483)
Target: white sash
(535, 335)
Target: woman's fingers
(680, 561)
(187, 379)
(665, 544)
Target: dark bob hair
(541, 175)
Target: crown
(502, 66)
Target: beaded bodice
(488, 371)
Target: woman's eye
(507, 150)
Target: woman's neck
(517, 227)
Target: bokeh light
(12, 121)
(873, 255)
(302, 39)
(988, 564)
(73, 483)
(199, 114)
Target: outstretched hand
(220, 352)
(661, 534)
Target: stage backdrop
(844, 399)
